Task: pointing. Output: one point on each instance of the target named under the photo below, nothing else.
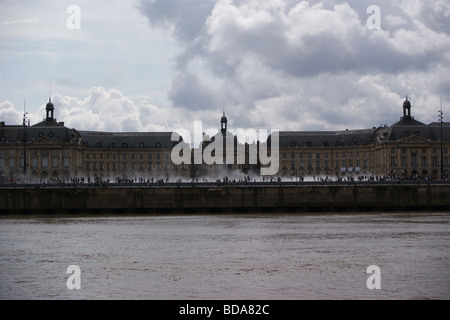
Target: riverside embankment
(211, 198)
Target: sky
(161, 65)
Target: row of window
(34, 152)
(327, 155)
(414, 163)
(107, 156)
(424, 150)
(132, 166)
(326, 164)
(34, 163)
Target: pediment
(44, 141)
(415, 139)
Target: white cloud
(274, 60)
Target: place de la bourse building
(51, 151)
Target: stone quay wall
(223, 199)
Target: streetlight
(24, 141)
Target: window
(414, 160)
(66, 162)
(94, 166)
(424, 161)
(292, 164)
(424, 150)
(44, 163)
(403, 150)
(2, 163)
(55, 163)
(392, 161)
(403, 161)
(34, 163)
(392, 150)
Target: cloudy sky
(157, 65)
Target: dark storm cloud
(276, 56)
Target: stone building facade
(50, 151)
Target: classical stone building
(49, 150)
(406, 149)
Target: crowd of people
(152, 181)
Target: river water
(267, 256)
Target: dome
(50, 104)
(406, 104)
(224, 118)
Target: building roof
(60, 133)
(325, 138)
(97, 139)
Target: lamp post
(25, 144)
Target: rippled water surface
(226, 257)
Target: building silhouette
(49, 151)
